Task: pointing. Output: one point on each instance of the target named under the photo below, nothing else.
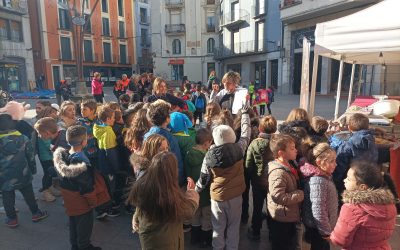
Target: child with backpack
(200, 102)
(17, 165)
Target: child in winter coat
(257, 158)
(284, 196)
(77, 187)
(17, 165)
(201, 222)
(223, 169)
(179, 125)
(368, 217)
(199, 100)
(88, 111)
(159, 220)
(360, 146)
(320, 206)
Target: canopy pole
(313, 84)
(360, 79)
(339, 88)
(351, 85)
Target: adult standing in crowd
(226, 96)
(134, 86)
(145, 86)
(97, 87)
(160, 91)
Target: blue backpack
(199, 103)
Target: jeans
(80, 230)
(226, 218)
(262, 109)
(9, 201)
(258, 203)
(269, 107)
(98, 98)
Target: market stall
(368, 37)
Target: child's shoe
(47, 196)
(39, 216)
(113, 213)
(54, 191)
(11, 223)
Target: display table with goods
(383, 113)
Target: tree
(79, 21)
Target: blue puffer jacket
(17, 161)
(360, 146)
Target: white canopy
(370, 36)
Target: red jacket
(366, 220)
(97, 87)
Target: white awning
(370, 36)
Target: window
(63, 1)
(176, 46)
(66, 48)
(122, 53)
(63, 18)
(106, 26)
(143, 15)
(235, 45)
(210, 45)
(3, 29)
(234, 11)
(88, 48)
(16, 31)
(86, 4)
(260, 46)
(104, 6)
(177, 72)
(107, 52)
(210, 67)
(210, 23)
(260, 7)
(143, 37)
(88, 24)
(121, 27)
(120, 7)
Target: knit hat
(15, 109)
(179, 122)
(223, 134)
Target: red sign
(176, 61)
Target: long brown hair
(157, 193)
(134, 135)
(225, 118)
(297, 114)
(212, 111)
(152, 145)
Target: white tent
(370, 36)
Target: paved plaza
(115, 233)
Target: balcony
(235, 19)
(174, 4)
(289, 3)
(210, 28)
(174, 29)
(246, 48)
(20, 8)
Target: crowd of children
(105, 157)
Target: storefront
(109, 75)
(13, 74)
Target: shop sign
(176, 61)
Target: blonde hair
(46, 124)
(156, 84)
(297, 114)
(96, 74)
(152, 145)
(231, 77)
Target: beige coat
(284, 197)
(166, 236)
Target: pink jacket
(366, 220)
(97, 87)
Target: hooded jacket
(97, 87)
(320, 205)
(366, 221)
(284, 197)
(223, 167)
(108, 152)
(360, 145)
(257, 158)
(77, 183)
(17, 161)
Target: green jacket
(167, 235)
(258, 156)
(193, 161)
(185, 142)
